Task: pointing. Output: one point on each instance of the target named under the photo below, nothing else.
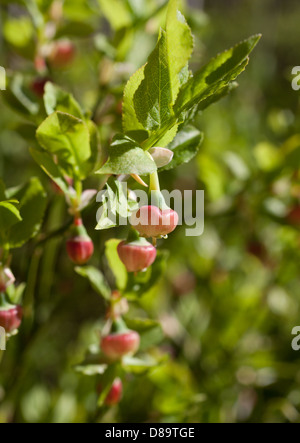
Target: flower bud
(120, 342)
(80, 247)
(136, 255)
(38, 86)
(62, 54)
(150, 221)
(115, 394)
(161, 156)
(10, 318)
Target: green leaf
(185, 146)
(180, 45)
(33, 199)
(9, 216)
(163, 76)
(216, 75)
(15, 293)
(153, 98)
(191, 114)
(96, 279)
(126, 157)
(115, 263)
(56, 99)
(130, 120)
(105, 221)
(68, 138)
(98, 155)
(45, 161)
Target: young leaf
(33, 199)
(15, 293)
(153, 99)
(56, 99)
(185, 146)
(126, 157)
(68, 138)
(180, 45)
(216, 75)
(96, 279)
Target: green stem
(154, 182)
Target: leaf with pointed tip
(153, 98)
(215, 76)
(180, 45)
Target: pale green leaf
(68, 138)
(56, 99)
(126, 157)
(115, 263)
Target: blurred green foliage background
(230, 298)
